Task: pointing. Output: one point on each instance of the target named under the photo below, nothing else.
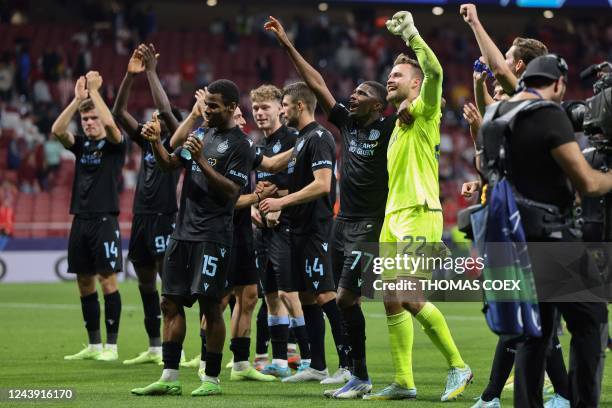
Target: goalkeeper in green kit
(413, 215)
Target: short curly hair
(266, 93)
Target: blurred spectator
(6, 79)
(28, 174)
(83, 61)
(205, 74)
(8, 191)
(50, 65)
(24, 67)
(65, 88)
(53, 153)
(172, 84)
(14, 153)
(41, 92)
(263, 64)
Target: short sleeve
(185, 162)
(339, 115)
(240, 163)
(559, 129)
(322, 149)
(258, 157)
(77, 146)
(136, 136)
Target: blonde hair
(266, 93)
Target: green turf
(40, 323)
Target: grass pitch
(40, 323)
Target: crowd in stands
(37, 77)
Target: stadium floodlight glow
(437, 11)
(548, 14)
(211, 3)
(323, 6)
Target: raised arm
(276, 163)
(120, 112)
(402, 25)
(481, 93)
(162, 104)
(60, 126)
(311, 76)
(319, 187)
(492, 55)
(186, 126)
(151, 132)
(94, 82)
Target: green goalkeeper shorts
(415, 232)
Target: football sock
(112, 314)
(401, 335)
(240, 346)
(263, 333)
(279, 331)
(340, 339)
(315, 327)
(503, 361)
(91, 315)
(202, 344)
(213, 364)
(298, 327)
(171, 355)
(169, 374)
(355, 327)
(292, 339)
(437, 330)
(152, 316)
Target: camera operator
(542, 155)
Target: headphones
(561, 66)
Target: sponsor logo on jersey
(277, 146)
(149, 158)
(223, 146)
(362, 148)
(238, 174)
(322, 163)
(374, 134)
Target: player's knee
(147, 278)
(109, 283)
(86, 284)
(248, 299)
(169, 308)
(212, 312)
(345, 301)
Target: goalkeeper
(413, 215)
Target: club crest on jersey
(222, 148)
(300, 145)
(374, 134)
(212, 161)
(149, 158)
(277, 146)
